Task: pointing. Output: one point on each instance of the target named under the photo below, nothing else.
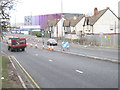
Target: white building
(73, 26)
(66, 27)
(53, 28)
(104, 21)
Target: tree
(5, 7)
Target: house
(104, 21)
(119, 24)
(73, 26)
(58, 28)
(53, 27)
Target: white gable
(107, 23)
(79, 26)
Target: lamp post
(62, 19)
(115, 27)
(62, 30)
(50, 31)
(57, 30)
(49, 28)
(43, 36)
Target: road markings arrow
(50, 60)
(79, 71)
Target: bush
(38, 34)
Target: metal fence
(112, 40)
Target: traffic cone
(52, 48)
(38, 41)
(43, 47)
(30, 45)
(36, 46)
(48, 47)
(26, 44)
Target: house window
(67, 29)
(111, 27)
(88, 27)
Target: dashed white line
(50, 60)
(36, 54)
(3, 53)
(11, 62)
(79, 71)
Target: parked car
(52, 42)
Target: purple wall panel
(43, 19)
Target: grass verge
(9, 73)
(0, 72)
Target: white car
(52, 42)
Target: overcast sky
(40, 7)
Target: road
(59, 70)
(103, 52)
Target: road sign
(65, 44)
(4, 37)
(109, 37)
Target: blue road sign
(4, 37)
(65, 44)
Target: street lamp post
(62, 24)
(50, 31)
(43, 36)
(49, 28)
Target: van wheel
(8, 48)
(23, 49)
(18, 50)
(11, 49)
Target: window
(18, 42)
(111, 27)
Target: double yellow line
(27, 73)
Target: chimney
(95, 11)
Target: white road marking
(11, 62)
(36, 54)
(85, 46)
(3, 53)
(79, 71)
(50, 60)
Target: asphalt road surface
(58, 70)
(110, 53)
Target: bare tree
(5, 7)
